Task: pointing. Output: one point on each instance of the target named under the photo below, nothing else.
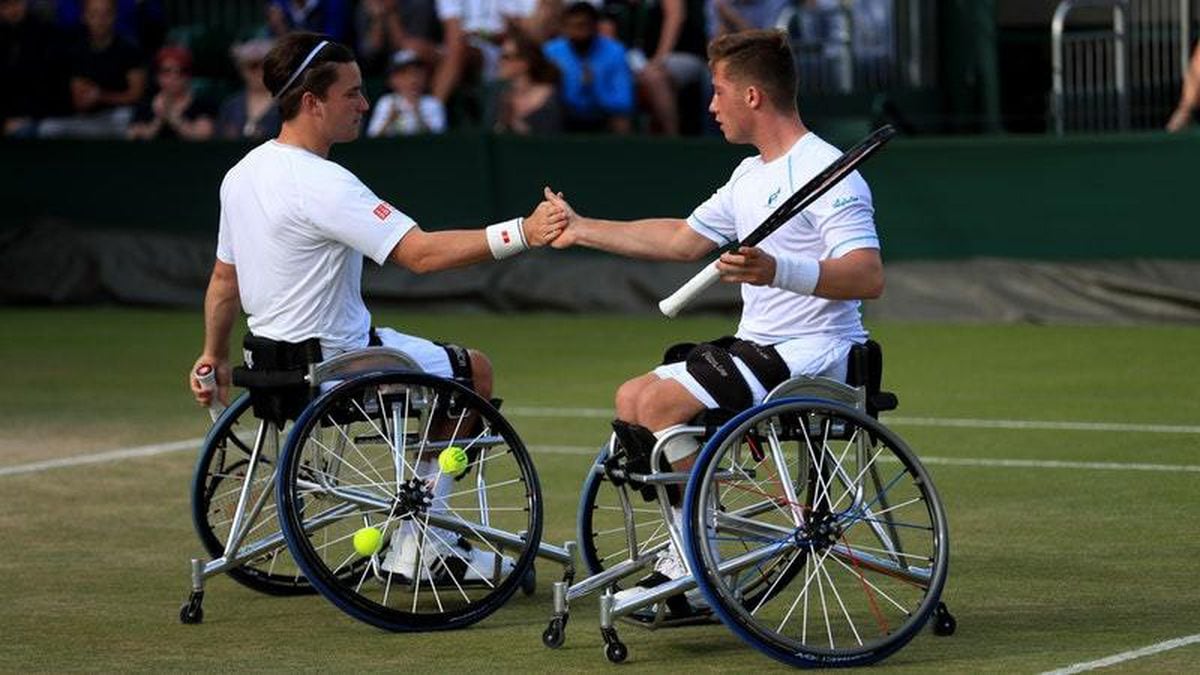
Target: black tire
(338, 474)
(219, 475)
(862, 535)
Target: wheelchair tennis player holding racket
(801, 287)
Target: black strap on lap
(274, 373)
(762, 360)
(714, 369)
(711, 363)
(460, 363)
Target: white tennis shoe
(446, 558)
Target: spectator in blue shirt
(597, 85)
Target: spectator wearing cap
(408, 109)
(251, 113)
(175, 111)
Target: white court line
(964, 422)
(1126, 656)
(582, 413)
(102, 457)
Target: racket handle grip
(688, 292)
(207, 377)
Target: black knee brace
(635, 447)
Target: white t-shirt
(841, 221)
(484, 16)
(432, 116)
(297, 226)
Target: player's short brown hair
(287, 55)
(761, 58)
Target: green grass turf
(1049, 566)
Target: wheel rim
(840, 513)
(364, 455)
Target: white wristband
(506, 239)
(798, 275)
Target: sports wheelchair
(364, 431)
(808, 528)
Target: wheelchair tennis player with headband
(294, 228)
(790, 491)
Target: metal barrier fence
(1121, 74)
(848, 46)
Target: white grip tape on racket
(688, 292)
(206, 375)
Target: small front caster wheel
(191, 613)
(554, 636)
(616, 652)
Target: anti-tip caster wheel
(555, 634)
(191, 612)
(616, 652)
(944, 623)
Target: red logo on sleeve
(504, 237)
(383, 211)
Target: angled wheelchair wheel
(221, 473)
(838, 518)
(378, 525)
(602, 526)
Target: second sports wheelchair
(808, 528)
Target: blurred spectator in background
(597, 86)
(1189, 99)
(175, 111)
(472, 31)
(387, 26)
(251, 113)
(529, 103)
(408, 109)
(26, 68)
(142, 23)
(330, 17)
(667, 41)
(107, 78)
(731, 16)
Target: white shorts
(431, 357)
(814, 357)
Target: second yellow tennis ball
(453, 460)
(368, 541)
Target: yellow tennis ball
(453, 460)
(368, 541)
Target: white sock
(679, 447)
(441, 485)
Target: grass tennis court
(1069, 542)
